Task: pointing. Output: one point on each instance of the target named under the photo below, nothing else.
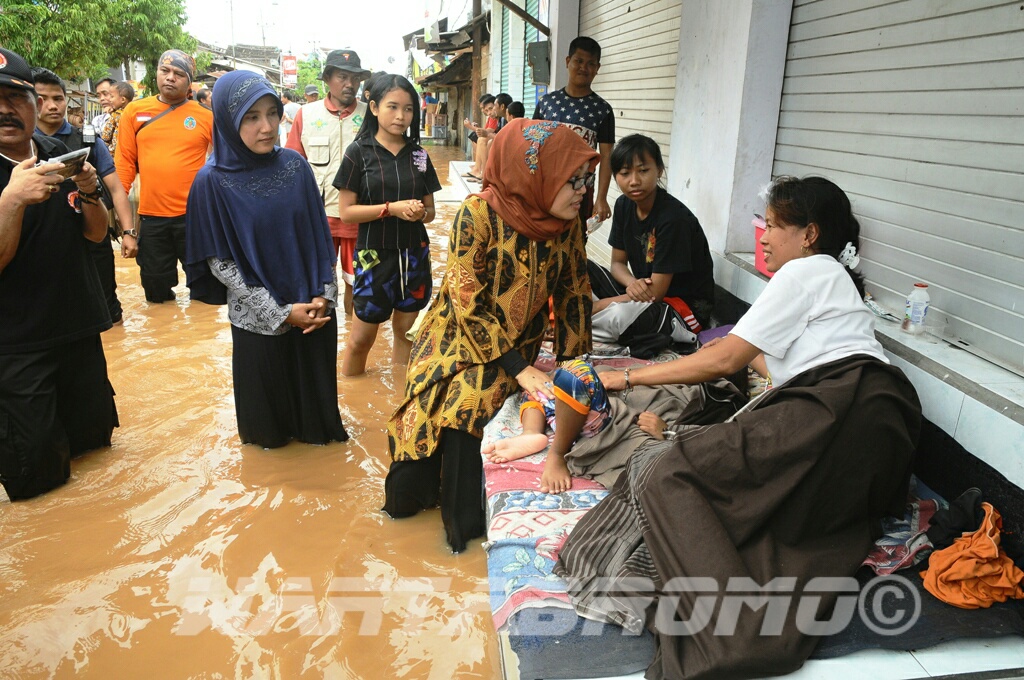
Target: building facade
(915, 108)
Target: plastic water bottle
(916, 309)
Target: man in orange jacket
(165, 140)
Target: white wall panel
(916, 109)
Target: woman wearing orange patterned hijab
(514, 245)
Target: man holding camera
(53, 105)
(55, 399)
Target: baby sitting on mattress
(578, 401)
(596, 433)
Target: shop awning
(455, 73)
(446, 41)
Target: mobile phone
(73, 163)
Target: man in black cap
(321, 132)
(312, 93)
(55, 399)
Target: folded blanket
(904, 542)
(520, 514)
(520, 575)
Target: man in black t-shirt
(55, 399)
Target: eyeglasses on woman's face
(579, 182)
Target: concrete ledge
(979, 404)
(459, 187)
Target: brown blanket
(795, 487)
(603, 457)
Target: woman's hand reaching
(536, 383)
(613, 381)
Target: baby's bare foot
(556, 477)
(514, 448)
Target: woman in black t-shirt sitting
(661, 280)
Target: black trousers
(161, 247)
(103, 257)
(455, 474)
(54, 405)
(286, 386)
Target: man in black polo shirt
(55, 399)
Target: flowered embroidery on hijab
(419, 157)
(536, 134)
(236, 97)
(266, 186)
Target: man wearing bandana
(163, 139)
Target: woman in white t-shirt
(812, 311)
(792, 489)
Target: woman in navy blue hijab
(257, 239)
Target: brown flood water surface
(180, 553)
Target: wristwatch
(130, 232)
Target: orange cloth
(974, 572)
(166, 154)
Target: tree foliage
(78, 38)
(66, 36)
(204, 61)
(143, 29)
(308, 73)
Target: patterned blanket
(526, 528)
(904, 542)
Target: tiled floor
(947, 660)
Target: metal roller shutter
(639, 47)
(532, 34)
(505, 29)
(915, 109)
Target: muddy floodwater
(180, 553)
